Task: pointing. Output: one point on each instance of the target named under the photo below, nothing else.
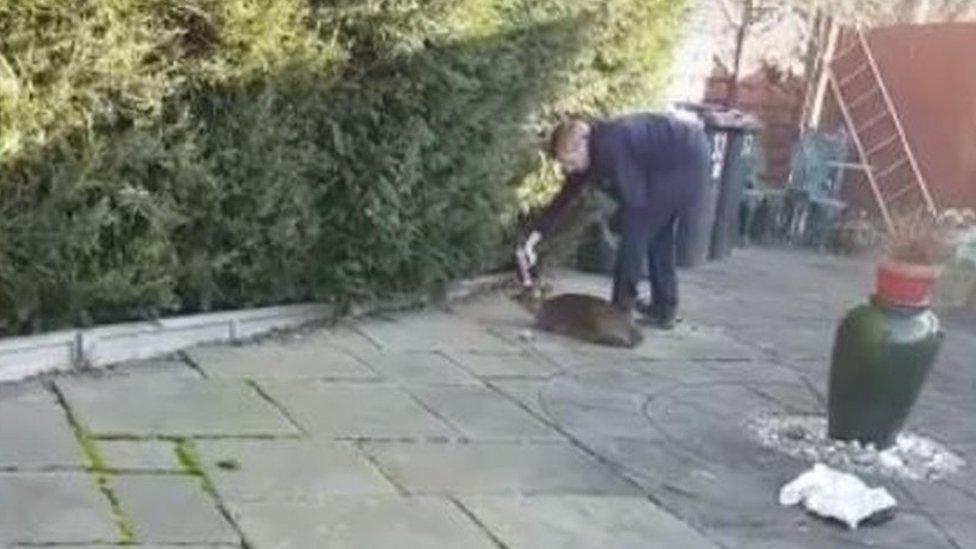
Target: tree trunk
(732, 93)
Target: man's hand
(526, 258)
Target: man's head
(570, 145)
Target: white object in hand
(830, 493)
(527, 256)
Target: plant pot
(883, 353)
(905, 284)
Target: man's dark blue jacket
(639, 160)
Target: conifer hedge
(162, 156)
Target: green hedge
(186, 155)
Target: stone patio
(445, 429)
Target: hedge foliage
(188, 155)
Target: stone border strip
(22, 357)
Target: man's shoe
(665, 323)
(654, 317)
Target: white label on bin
(719, 144)
(747, 145)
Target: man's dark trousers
(649, 230)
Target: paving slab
(35, 434)
(347, 522)
(790, 342)
(693, 341)
(690, 372)
(945, 496)
(145, 369)
(588, 424)
(483, 414)
(615, 391)
(693, 413)
(794, 398)
(26, 391)
(951, 507)
(289, 470)
(174, 407)
(431, 330)
(945, 419)
(571, 522)
(495, 310)
(306, 358)
(496, 468)
(54, 508)
(705, 490)
(357, 410)
(143, 455)
(526, 392)
(906, 531)
(417, 368)
(171, 509)
(591, 360)
(590, 408)
(965, 479)
(960, 528)
(347, 337)
(517, 364)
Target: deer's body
(585, 317)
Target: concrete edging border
(22, 357)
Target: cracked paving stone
(582, 522)
(431, 330)
(496, 468)
(174, 407)
(289, 470)
(35, 434)
(527, 392)
(346, 337)
(171, 509)
(357, 522)
(483, 414)
(417, 368)
(307, 358)
(148, 368)
(54, 508)
(503, 364)
(357, 410)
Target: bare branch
(729, 12)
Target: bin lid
(719, 116)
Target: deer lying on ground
(580, 316)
